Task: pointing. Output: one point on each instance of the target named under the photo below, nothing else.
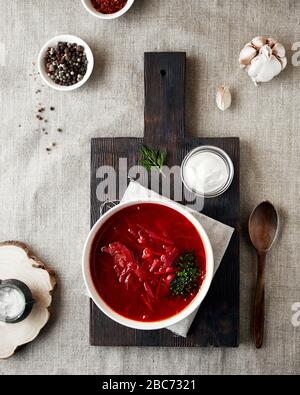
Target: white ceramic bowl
(90, 8)
(53, 43)
(137, 324)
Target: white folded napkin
(218, 233)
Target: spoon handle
(259, 308)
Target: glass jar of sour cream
(207, 171)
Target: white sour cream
(205, 172)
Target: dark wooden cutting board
(217, 322)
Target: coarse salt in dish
(12, 303)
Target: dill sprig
(187, 276)
(153, 158)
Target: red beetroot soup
(148, 262)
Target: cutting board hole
(163, 73)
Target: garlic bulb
(263, 59)
(223, 98)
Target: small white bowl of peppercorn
(65, 62)
(107, 9)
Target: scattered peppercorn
(109, 6)
(52, 109)
(39, 118)
(59, 130)
(66, 64)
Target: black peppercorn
(66, 64)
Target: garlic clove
(271, 42)
(223, 98)
(259, 42)
(276, 65)
(266, 52)
(279, 50)
(284, 62)
(256, 67)
(247, 54)
(267, 70)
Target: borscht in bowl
(148, 265)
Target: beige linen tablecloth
(44, 198)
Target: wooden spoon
(263, 229)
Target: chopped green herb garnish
(187, 276)
(152, 158)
